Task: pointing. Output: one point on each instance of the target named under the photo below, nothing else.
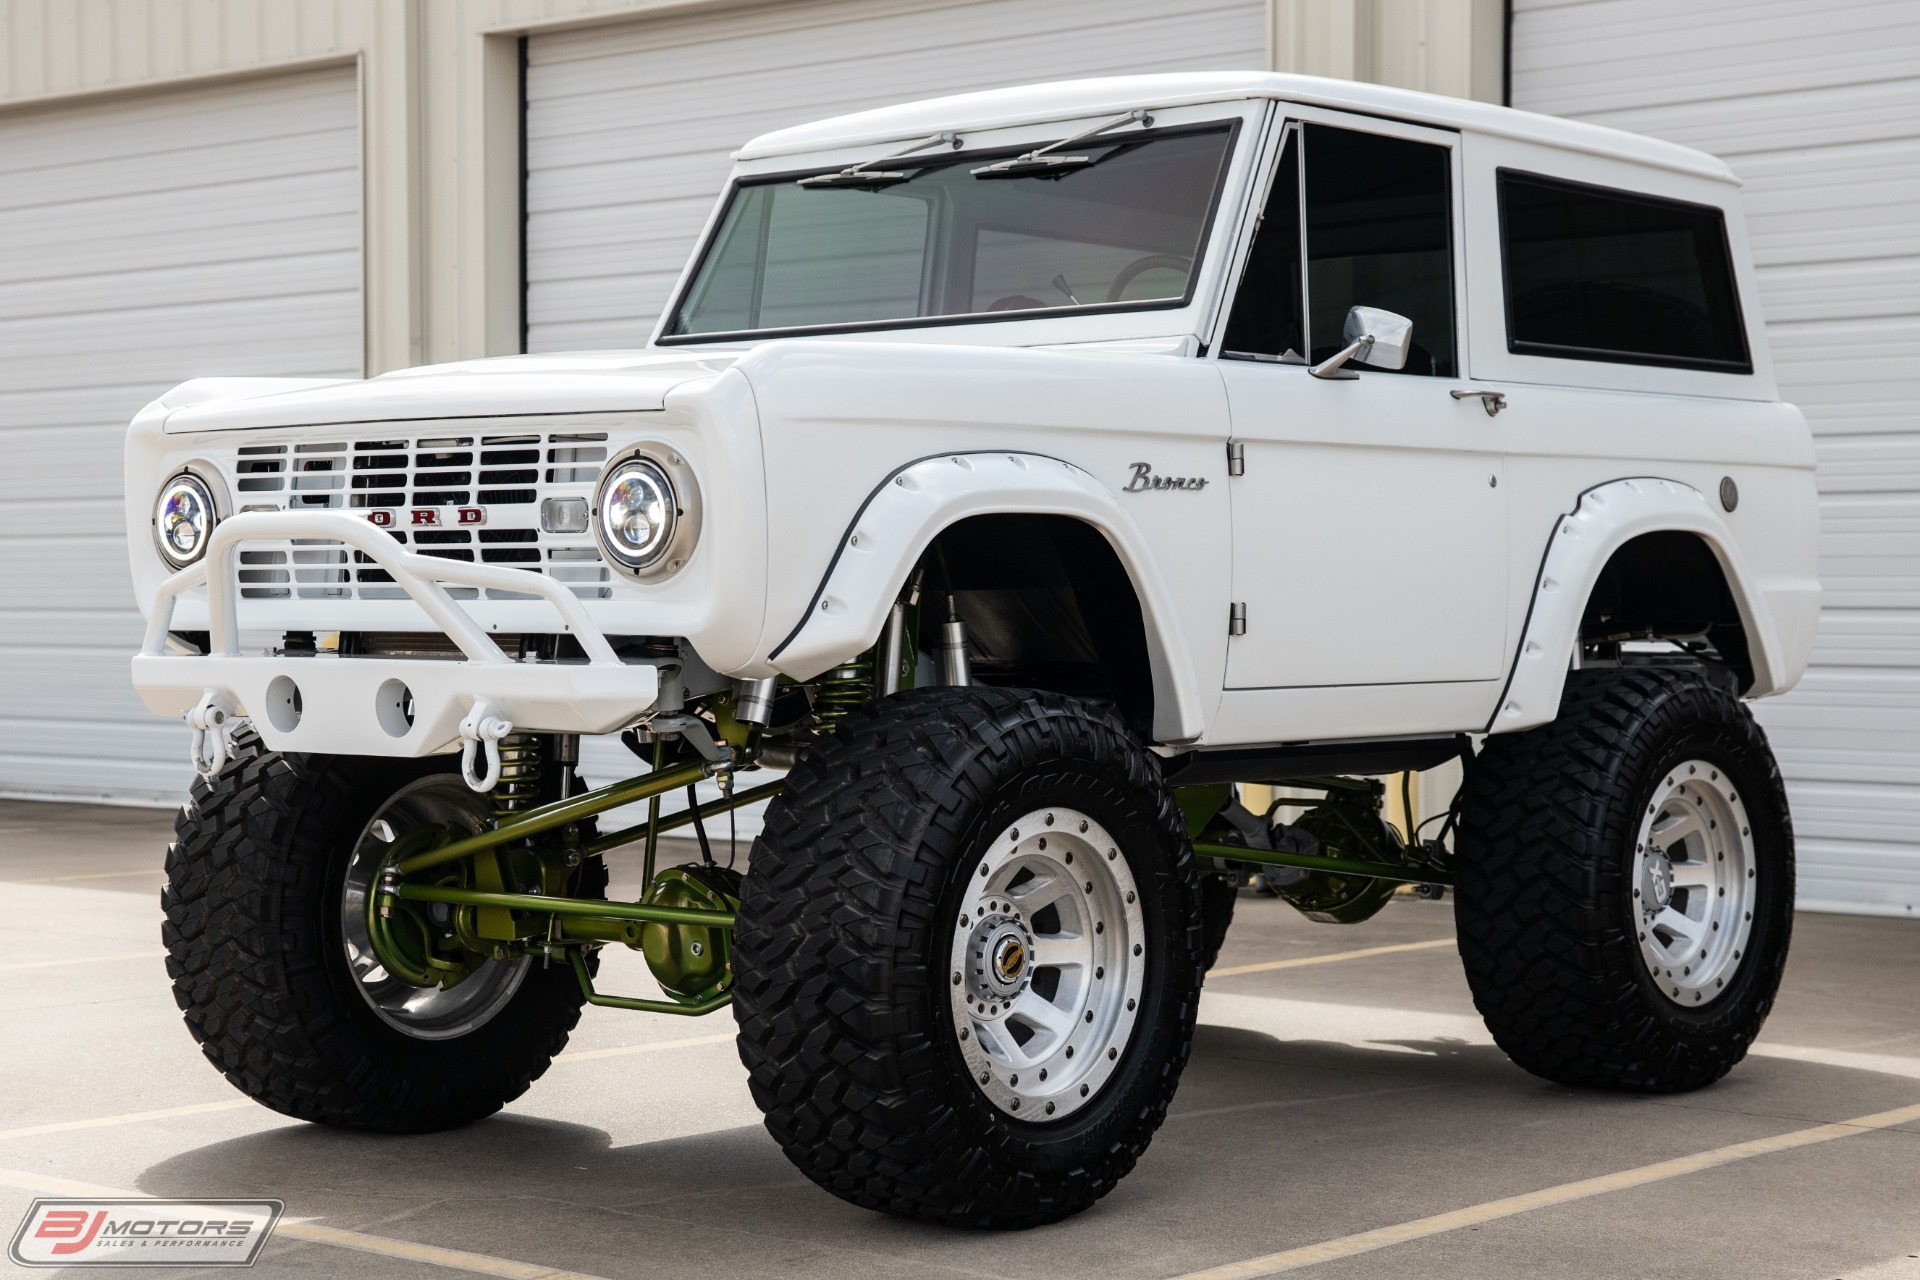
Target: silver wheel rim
(1047, 965)
(424, 1013)
(1694, 880)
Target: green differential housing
(692, 963)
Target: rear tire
(916, 855)
(256, 879)
(1624, 883)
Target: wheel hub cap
(1659, 879)
(1048, 965)
(1694, 883)
(999, 961)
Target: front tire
(969, 955)
(1624, 883)
(287, 1003)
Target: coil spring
(519, 785)
(842, 689)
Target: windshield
(1124, 231)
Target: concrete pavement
(1326, 1099)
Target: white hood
(579, 382)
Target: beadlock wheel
(1693, 883)
(968, 955)
(269, 962)
(424, 1013)
(1048, 965)
(1623, 882)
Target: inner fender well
(1666, 585)
(1047, 605)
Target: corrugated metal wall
(1817, 107)
(629, 128)
(144, 239)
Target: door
(1817, 108)
(1370, 540)
(150, 238)
(629, 127)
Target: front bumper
(383, 706)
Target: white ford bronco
(1011, 478)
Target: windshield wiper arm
(1044, 160)
(858, 175)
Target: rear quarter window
(1593, 273)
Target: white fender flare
(1605, 518)
(902, 516)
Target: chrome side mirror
(1378, 339)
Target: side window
(1598, 274)
(1378, 233)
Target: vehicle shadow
(1261, 1123)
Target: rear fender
(902, 516)
(1605, 519)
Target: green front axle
(550, 925)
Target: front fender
(903, 515)
(1606, 518)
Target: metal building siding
(629, 127)
(147, 239)
(1817, 107)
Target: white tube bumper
(383, 706)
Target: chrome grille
(506, 476)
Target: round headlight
(637, 513)
(183, 519)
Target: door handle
(1492, 401)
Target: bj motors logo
(144, 1233)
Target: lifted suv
(1018, 473)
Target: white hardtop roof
(1074, 99)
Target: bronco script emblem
(1144, 479)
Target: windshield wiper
(858, 175)
(1042, 160)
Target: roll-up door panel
(148, 239)
(629, 127)
(1817, 108)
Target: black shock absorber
(519, 785)
(840, 690)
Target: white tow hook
(482, 731)
(213, 723)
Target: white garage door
(1817, 106)
(629, 127)
(143, 241)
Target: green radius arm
(1316, 862)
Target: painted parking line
(241, 1104)
(1474, 1215)
(588, 1055)
(95, 875)
(1299, 961)
(131, 1117)
(59, 964)
(313, 1233)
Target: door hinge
(1236, 458)
(1237, 618)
